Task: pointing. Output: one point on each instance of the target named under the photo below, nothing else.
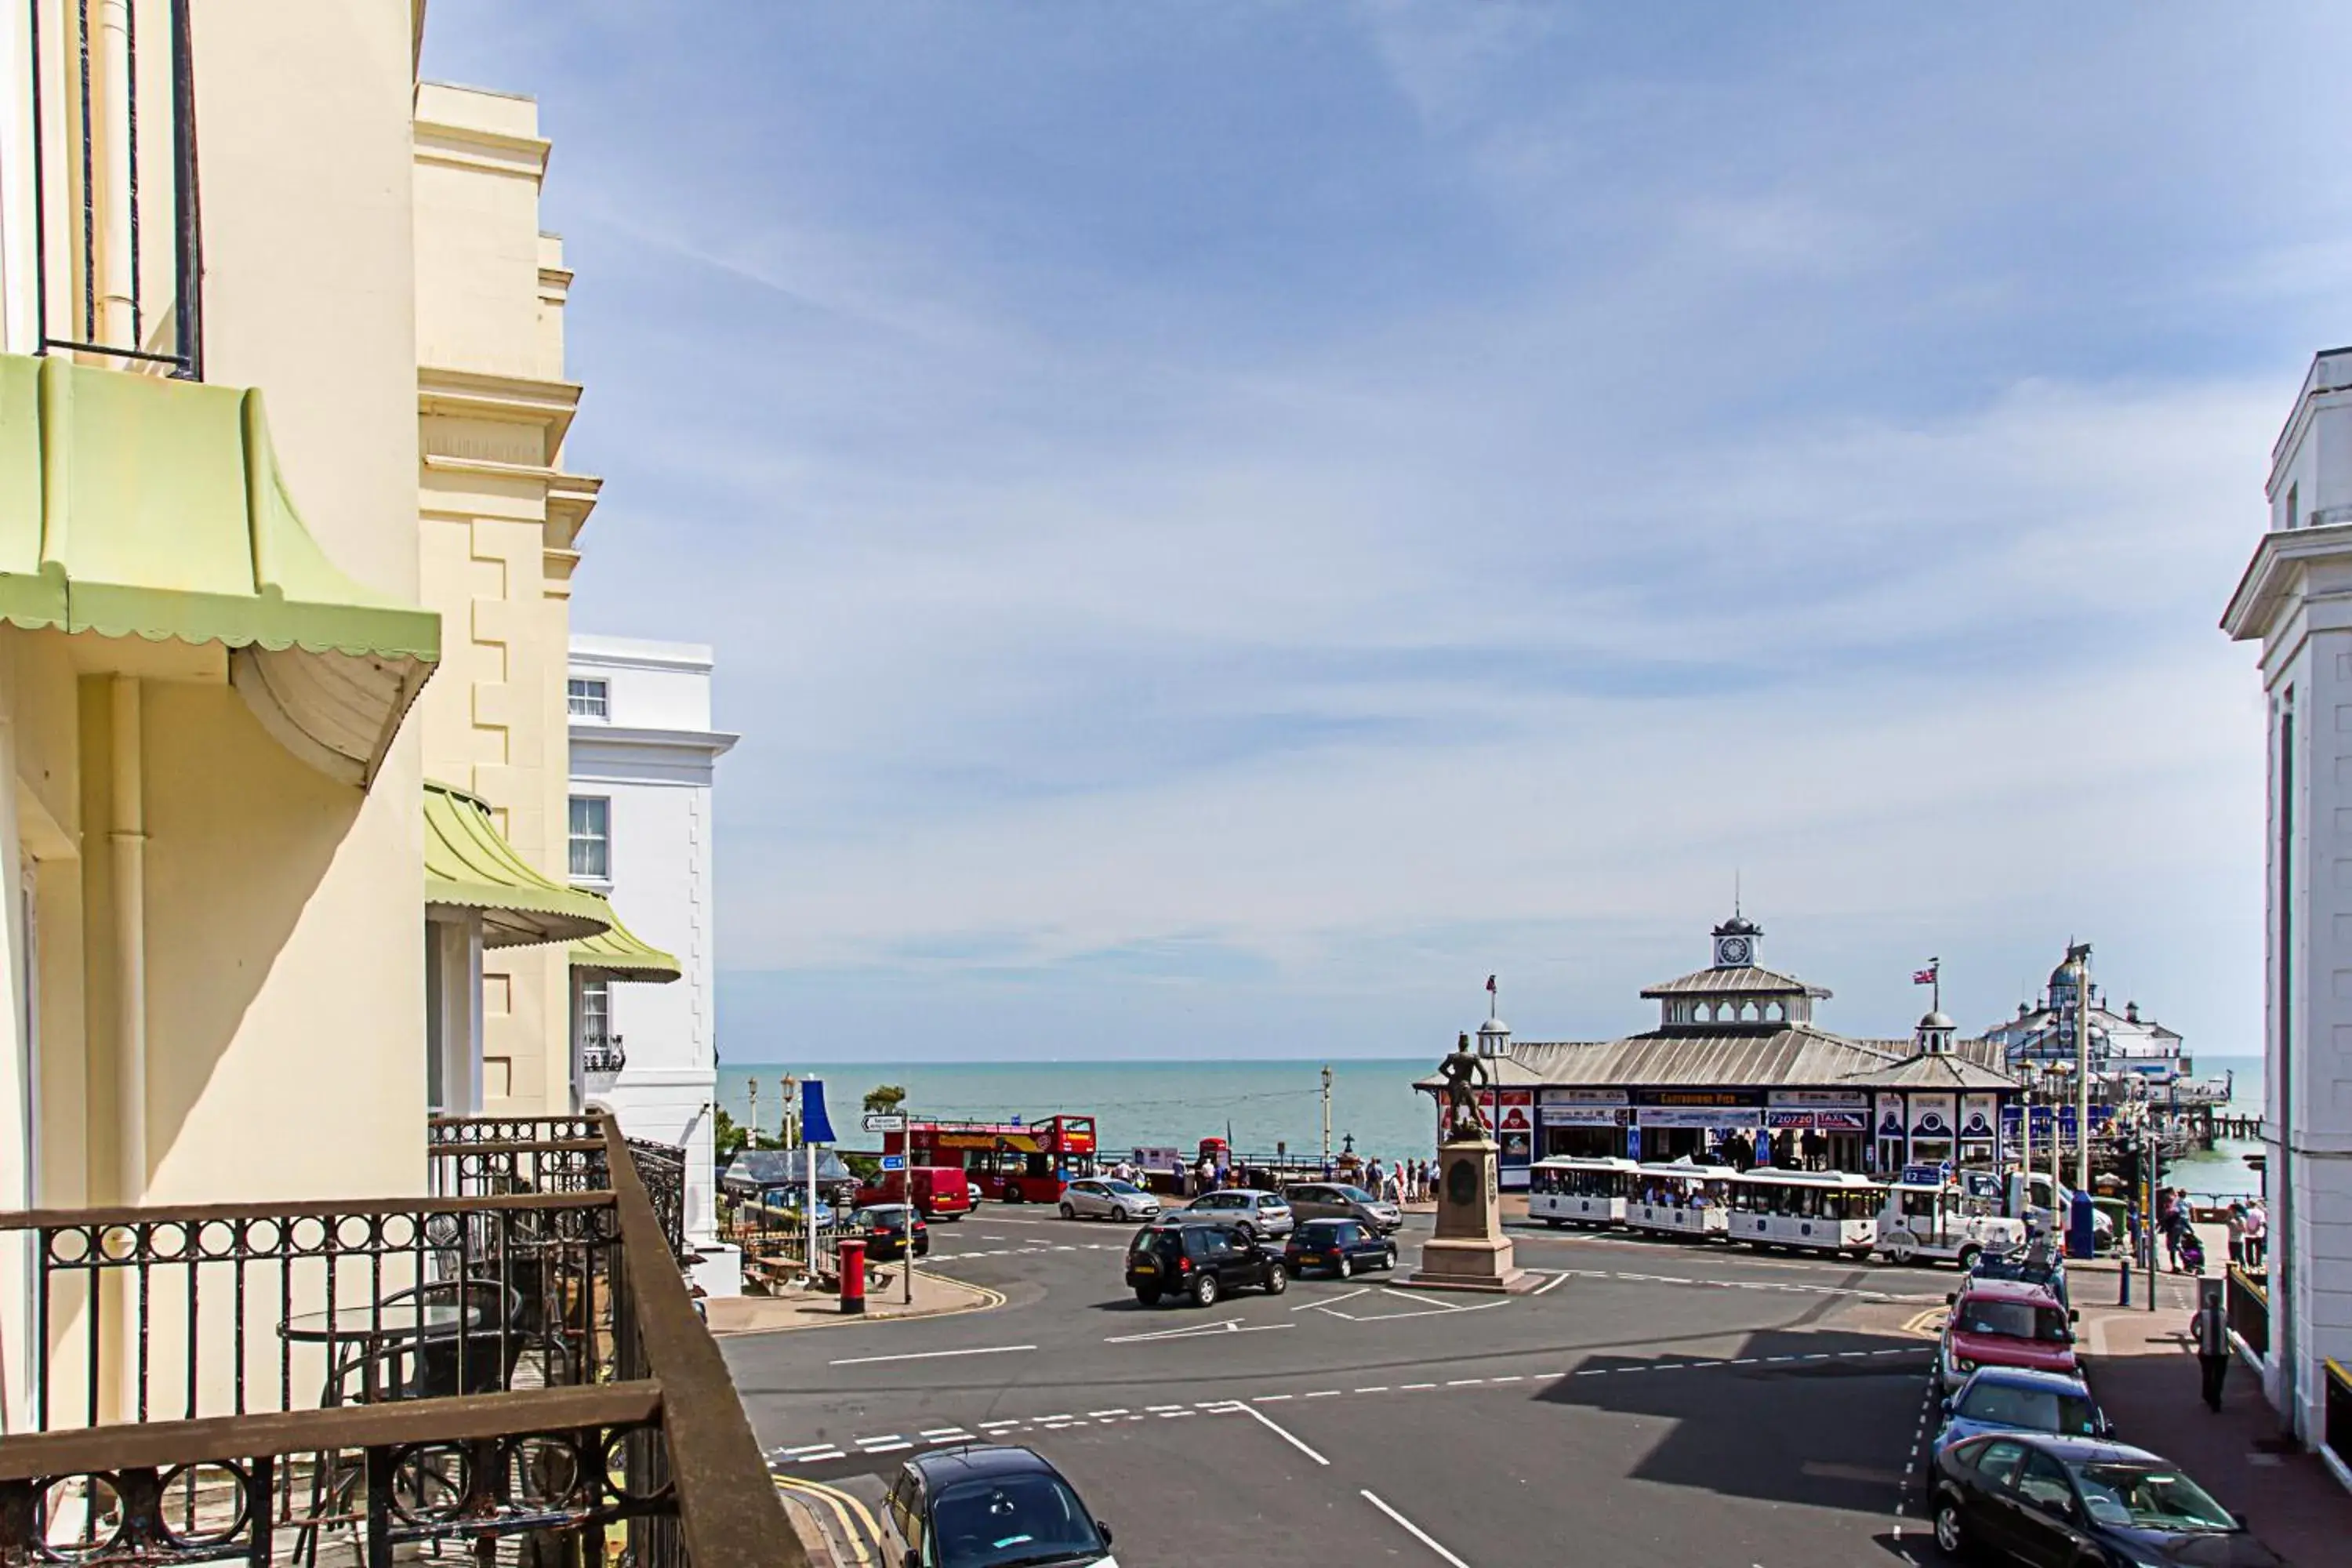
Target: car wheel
(1968, 1256)
(1247, 1231)
(1069, 1213)
(1391, 1264)
(1204, 1289)
(1146, 1294)
(1277, 1278)
(1951, 1536)
(1346, 1268)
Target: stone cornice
(513, 399)
(474, 147)
(2274, 576)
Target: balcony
(512, 1365)
(602, 1058)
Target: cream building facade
(210, 631)
(500, 522)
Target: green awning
(468, 865)
(621, 953)
(135, 506)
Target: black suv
(1200, 1261)
(981, 1506)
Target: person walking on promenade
(2258, 1232)
(2171, 1220)
(2235, 1224)
(2209, 1332)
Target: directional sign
(878, 1121)
(894, 1162)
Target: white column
(19, 1108)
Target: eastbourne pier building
(1737, 1069)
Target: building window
(2294, 506)
(592, 838)
(600, 1047)
(589, 699)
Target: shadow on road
(1820, 1419)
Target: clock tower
(1735, 943)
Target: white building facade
(643, 758)
(2295, 600)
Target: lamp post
(1494, 1041)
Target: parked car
(983, 1506)
(2011, 1399)
(1255, 1212)
(2046, 1268)
(1342, 1245)
(2004, 1322)
(1200, 1261)
(1338, 1200)
(2068, 1501)
(972, 1191)
(887, 1227)
(1108, 1197)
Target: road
(1653, 1404)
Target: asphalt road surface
(1654, 1405)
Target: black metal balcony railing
(255, 1381)
(93, 187)
(603, 1054)
(661, 1169)
(2247, 1305)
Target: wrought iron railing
(522, 1363)
(98, 250)
(603, 1054)
(2247, 1305)
(661, 1167)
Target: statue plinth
(1469, 1251)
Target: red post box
(853, 1276)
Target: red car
(2005, 1323)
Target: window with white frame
(592, 838)
(589, 699)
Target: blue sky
(1223, 524)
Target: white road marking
(1199, 1330)
(948, 1437)
(1376, 1388)
(1325, 1394)
(1283, 1432)
(997, 1426)
(931, 1355)
(887, 1445)
(1551, 1284)
(1414, 1531)
(1120, 1410)
(1332, 1301)
(1270, 1399)
(1410, 1386)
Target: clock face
(1733, 949)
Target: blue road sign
(894, 1162)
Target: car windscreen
(2014, 1320)
(1124, 1189)
(1004, 1520)
(1357, 1194)
(2137, 1496)
(2035, 1409)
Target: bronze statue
(1461, 1069)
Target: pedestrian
(2172, 1221)
(2258, 1234)
(2209, 1330)
(2235, 1224)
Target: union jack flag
(1924, 976)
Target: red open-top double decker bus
(1014, 1161)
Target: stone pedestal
(1470, 1251)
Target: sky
(1222, 525)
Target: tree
(728, 1138)
(885, 1098)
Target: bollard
(2123, 1292)
(853, 1276)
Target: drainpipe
(128, 839)
(118, 285)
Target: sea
(1257, 1104)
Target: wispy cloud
(1299, 507)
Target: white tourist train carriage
(1939, 1220)
(1572, 1190)
(1681, 1199)
(1822, 1211)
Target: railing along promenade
(512, 1364)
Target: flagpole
(1935, 969)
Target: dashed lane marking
(893, 1442)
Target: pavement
(1653, 1403)
(934, 1295)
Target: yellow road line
(1930, 1322)
(842, 1503)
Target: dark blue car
(2014, 1399)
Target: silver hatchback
(1251, 1212)
(1108, 1197)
